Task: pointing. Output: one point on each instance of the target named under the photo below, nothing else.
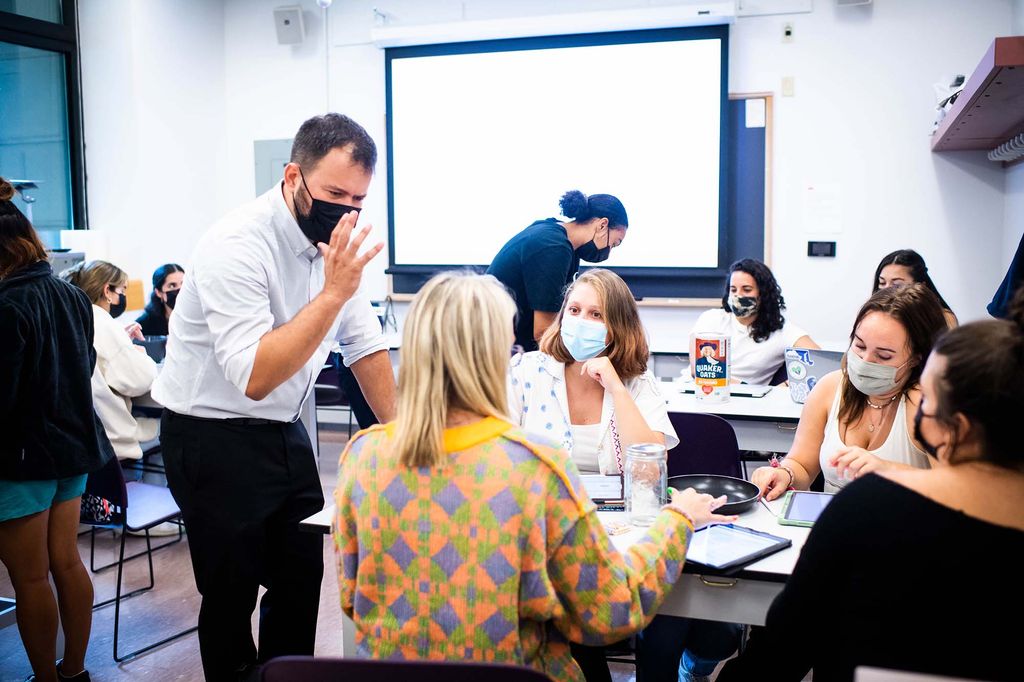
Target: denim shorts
(24, 498)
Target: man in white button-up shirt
(273, 285)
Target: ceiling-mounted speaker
(288, 22)
(852, 3)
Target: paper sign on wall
(823, 208)
(755, 113)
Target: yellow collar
(461, 438)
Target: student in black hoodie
(51, 440)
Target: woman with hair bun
(538, 263)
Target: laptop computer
(806, 366)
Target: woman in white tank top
(857, 420)
(897, 448)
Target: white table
(763, 424)
(742, 597)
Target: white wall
(153, 100)
(858, 123)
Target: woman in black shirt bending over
(918, 570)
(540, 261)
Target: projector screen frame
(674, 282)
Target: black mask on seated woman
(172, 296)
(117, 308)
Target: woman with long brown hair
(51, 441)
(588, 387)
(914, 569)
(860, 418)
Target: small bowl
(741, 494)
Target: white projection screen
(483, 139)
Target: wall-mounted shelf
(990, 109)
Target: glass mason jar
(646, 482)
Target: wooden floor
(173, 605)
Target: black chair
(136, 507)
(780, 377)
(707, 445)
(309, 669)
(328, 392)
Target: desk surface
(774, 568)
(776, 405)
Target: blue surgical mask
(582, 338)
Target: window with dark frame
(41, 148)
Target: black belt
(238, 421)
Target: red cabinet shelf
(990, 108)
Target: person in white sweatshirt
(123, 370)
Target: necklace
(872, 427)
(885, 404)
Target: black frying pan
(741, 494)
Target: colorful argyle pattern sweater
(495, 556)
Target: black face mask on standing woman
(591, 253)
(322, 218)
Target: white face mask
(871, 378)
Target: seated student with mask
(589, 389)
(916, 569)
(860, 418)
(538, 263)
(167, 281)
(751, 314)
(517, 563)
(123, 370)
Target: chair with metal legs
(136, 507)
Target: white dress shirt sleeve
(233, 292)
(359, 331)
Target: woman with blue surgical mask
(588, 387)
(860, 418)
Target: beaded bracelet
(776, 464)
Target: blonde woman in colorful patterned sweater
(458, 538)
